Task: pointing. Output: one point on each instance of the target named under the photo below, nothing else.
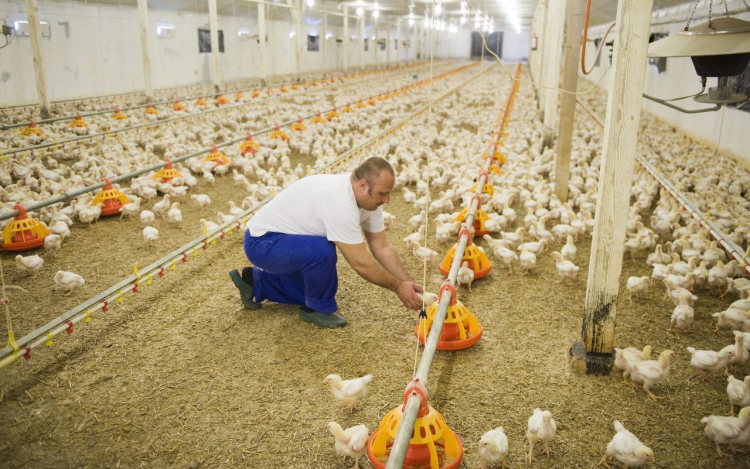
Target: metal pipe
(56, 326)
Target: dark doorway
(494, 43)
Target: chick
(569, 249)
(150, 235)
(493, 447)
(541, 427)
(465, 275)
(683, 315)
(650, 372)
(637, 285)
(29, 264)
(147, 217)
(174, 215)
(627, 449)
(565, 269)
(423, 253)
(52, 244)
(527, 260)
(728, 430)
(68, 281)
(351, 442)
(627, 357)
(708, 360)
(429, 298)
(348, 392)
(738, 392)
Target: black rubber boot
(246, 290)
(329, 321)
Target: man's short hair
(370, 170)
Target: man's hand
(408, 293)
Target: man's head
(372, 182)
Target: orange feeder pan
(221, 100)
(249, 146)
(200, 102)
(299, 126)
(32, 129)
(460, 330)
(23, 233)
(78, 121)
(167, 173)
(332, 115)
(150, 109)
(280, 134)
(478, 261)
(216, 156)
(295, 87)
(347, 109)
(488, 188)
(479, 219)
(283, 89)
(239, 96)
(318, 119)
(433, 445)
(119, 115)
(256, 93)
(112, 199)
(360, 104)
(178, 106)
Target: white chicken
(68, 281)
(174, 215)
(150, 235)
(162, 207)
(565, 269)
(728, 430)
(637, 285)
(738, 392)
(147, 217)
(348, 392)
(465, 275)
(351, 442)
(202, 200)
(650, 372)
(709, 360)
(423, 253)
(130, 209)
(29, 264)
(493, 447)
(418, 236)
(627, 357)
(683, 315)
(52, 244)
(569, 250)
(527, 260)
(627, 449)
(541, 427)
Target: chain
(726, 8)
(692, 14)
(710, 5)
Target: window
(313, 43)
(204, 40)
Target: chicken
(627, 449)
(202, 200)
(541, 427)
(423, 253)
(60, 228)
(351, 442)
(147, 217)
(506, 255)
(740, 355)
(162, 207)
(637, 285)
(29, 264)
(728, 430)
(429, 298)
(418, 236)
(52, 244)
(627, 357)
(569, 250)
(348, 392)
(683, 315)
(68, 281)
(174, 215)
(388, 219)
(708, 360)
(150, 235)
(738, 392)
(493, 447)
(527, 260)
(650, 372)
(565, 269)
(465, 275)
(130, 209)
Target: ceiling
(602, 11)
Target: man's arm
(386, 254)
(369, 269)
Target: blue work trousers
(294, 269)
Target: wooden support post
(398, 41)
(388, 42)
(620, 136)
(143, 15)
(262, 43)
(361, 40)
(213, 24)
(555, 26)
(375, 39)
(573, 33)
(295, 7)
(323, 38)
(32, 15)
(542, 47)
(347, 38)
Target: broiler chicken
(423, 253)
(68, 281)
(650, 372)
(493, 447)
(565, 269)
(627, 449)
(527, 260)
(348, 392)
(637, 285)
(351, 442)
(150, 235)
(465, 275)
(541, 427)
(627, 357)
(683, 315)
(29, 264)
(738, 392)
(728, 430)
(52, 244)
(709, 360)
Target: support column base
(590, 363)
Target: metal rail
(101, 301)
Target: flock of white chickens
(525, 218)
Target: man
(292, 242)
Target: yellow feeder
(150, 109)
(347, 109)
(23, 233)
(78, 122)
(283, 89)
(111, 198)
(221, 100)
(216, 156)
(295, 87)
(324, 81)
(118, 115)
(487, 188)
(332, 114)
(269, 91)
(433, 445)
(32, 129)
(478, 261)
(249, 146)
(256, 93)
(314, 83)
(371, 102)
(479, 219)
(178, 106)
(279, 134)
(460, 330)
(166, 173)
(200, 102)
(299, 126)
(239, 96)
(318, 119)
(360, 104)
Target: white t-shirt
(320, 205)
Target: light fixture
(243, 34)
(165, 31)
(360, 11)
(438, 9)
(718, 48)
(329, 36)
(310, 3)
(376, 14)
(411, 21)
(292, 34)
(463, 19)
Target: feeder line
(159, 103)
(44, 334)
(704, 220)
(164, 121)
(67, 196)
(409, 417)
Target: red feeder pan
(460, 330)
(112, 199)
(23, 233)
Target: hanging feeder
(216, 156)
(487, 188)
(167, 173)
(332, 114)
(299, 126)
(200, 102)
(478, 261)
(150, 109)
(112, 199)
(119, 116)
(279, 134)
(178, 106)
(221, 100)
(460, 330)
(32, 129)
(78, 122)
(361, 105)
(371, 101)
(433, 445)
(256, 93)
(295, 87)
(283, 89)
(269, 91)
(318, 119)
(249, 146)
(239, 96)
(315, 83)
(347, 109)
(479, 219)
(23, 233)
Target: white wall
(516, 45)
(680, 79)
(453, 45)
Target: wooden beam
(361, 54)
(322, 37)
(262, 42)
(143, 15)
(398, 41)
(32, 15)
(619, 147)
(347, 38)
(542, 48)
(388, 44)
(573, 32)
(553, 61)
(213, 24)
